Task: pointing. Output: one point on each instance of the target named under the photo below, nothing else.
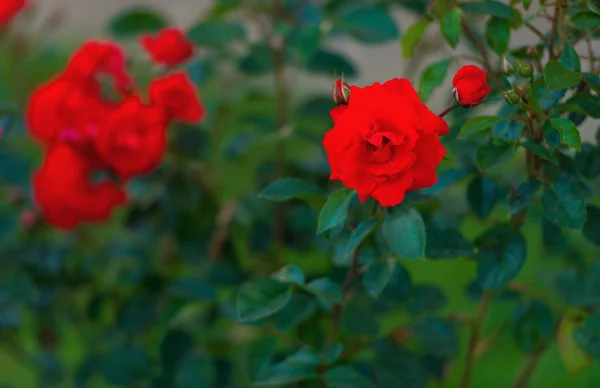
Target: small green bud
(512, 97)
(525, 69)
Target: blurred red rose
(385, 142)
(8, 9)
(132, 138)
(176, 93)
(65, 193)
(470, 86)
(168, 47)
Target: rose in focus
(384, 142)
(470, 86)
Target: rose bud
(512, 97)
(28, 219)
(470, 86)
(341, 92)
(525, 69)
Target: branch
(523, 379)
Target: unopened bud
(14, 196)
(341, 92)
(512, 97)
(525, 69)
(28, 219)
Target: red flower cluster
(85, 133)
(8, 9)
(470, 86)
(384, 142)
(169, 47)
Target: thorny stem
(476, 330)
(353, 272)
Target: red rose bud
(470, 86)
(341, 92)
(28, 219)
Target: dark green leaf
(331, 353)
(288, 188)
(588, 161)
(497, 35)
(397, 367)
(540, 151)
(493, 8)
(326, 290)
(328, 63)
(377, 276)
(195, 370)
(447, 243)
(335, 210)
(551, 135)
(533, 325)
(134, 21)
(476, 125)
(174, 346)
(404, 232)
(258, 61)
(125, 366)
(586, 20)
(569, 134)
(501, 255)
(427, 298)
(509, 131)
(306, 355)
(285, 373)
(398, 287)
(451, 26)
(493, 154)
(579, 288)
(482, 196)
(346, 377)
(523, 196)
(300, 307)
(413, 36)
(359, 318)
(570, 58)
(588, 336)
(369, 24)
(215, 33)
(290, 274)
(552, 234)
(591, 229)
(436, 336)
(564, 205)
(360, 233)
(260, 298)
(432, 77)
(574, 358)
(192, 289)
(557, 76)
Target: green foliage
(135, 21)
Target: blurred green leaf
(215, 33)
(493, 8)
(290, 274)
(436, 336)
(551, 136)
(497, 35)
(285, 373)
(195, 370)
(574, 359)
(397, 367)
(258, 61)
(523, 196)
(564, 205)
(377, 276)
(533, 325)
(557, 76)
(540, 151)
(361, 232)
(359, 318)
(502, 253)
(125, 366)
(346, 377)
(569, 133)
(482, 196)
(369, 24)
(299, 309)
(588, 336)
(328, 63)
(591, 228)
(450, 26)
(404, 232)
(331, 353)
(569, 58)
(476, 125)
(413, 36)
(134, 21)
(579, 288)
(492, 154)
(447, 243)
(432, 77)
(335, 210)
(175, 345)
(259, 298)
(588, 161)
(287, 188)
(326, 290)
(585, 20)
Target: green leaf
(591, 229)
(290, 274)
(404, 232)
(493, 8)
(588, 336)
(215, 33)
(447, 243)
(588, 161)
(287, 188)
(569, 58)
(260, 298)
(586, 20)
(413, 36)
(427, 298)
(524, 196)
(501, 255)
(432, 77)
(360, 233)
(533, 325)
(569, 134)
(540, 151)
(564, 205)
(369, 24)
(125, 366)
(335, 210)
(134, 21)
(574, 359)
(451, 26)
(346, 377)
(306, 355)
(527, 4)
(558, 77)
(175, 345)
(579, 288)
(477, 124)
(328, 62)
(359, 317)
(377, 276)
(398, 286)
(497, 35)
(285, 373)
(300, 307)
(195, 370)
(331, 353)
(326, 290)
(482, 196)
(258, 61)
(551, 135)
(492, 154)
(436, 337)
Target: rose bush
(150, 237)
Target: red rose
(8, 9)
(169, 47)
(63, 189)
(94, 58)
(132, 138)
(385, 142)
(177, 94)
(470, 86)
